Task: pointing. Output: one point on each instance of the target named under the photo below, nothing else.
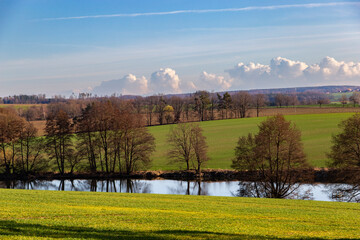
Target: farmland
(75, 215)
(222, 136)
(317, 125)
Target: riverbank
(322, 175)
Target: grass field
(34, 214)
(22, 106)
(222, 136)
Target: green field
(222, 136)
(34, 214)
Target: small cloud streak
(201, 11)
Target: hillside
(222, 136)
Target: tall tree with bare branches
(275, 152)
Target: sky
(161, 46)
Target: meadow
(75, 215)
(222, 136)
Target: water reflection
(349, 192)
(274, 190)
(189, 188)
(324, 192)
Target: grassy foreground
(222, 136)
(74, 215)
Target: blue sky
(146, 47)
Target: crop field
(30, 214)
(222, 136)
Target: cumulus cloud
(210, 81)
(165, 81)
(280, 72)
(283, 72)
(128, 85)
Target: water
(316, 191)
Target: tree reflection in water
(273, 190)
(346, 192)
(189, 188)
(124, 186)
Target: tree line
(107, 137)
(199, 106)
(110, 136)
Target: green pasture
(222, 136)
(78, 215)
(20, 106)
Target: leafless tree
(258, 101)
(279, 100)
(199, 146)
(344, 100)
(177, 104)
(275, 152)
(323, 100)
(355, 98)
(31, 157)
(242, 102)
(58, 136)
(187, 145)
(179, 139)
(11, 126)
(137, 146)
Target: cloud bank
(201, 11)
(280, 72)
(283, 72)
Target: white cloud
(209, 81)
(128, 85)
(283, 72)
(165, 81)
(285, 68)
(330, 69)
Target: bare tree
(345, 151)
(275, 152)
(177, 104)
(187, 145)
(323, 100)
(11, 126)
(258, 102)
(279, 100)
(199, 146)
(87, 137)
(150, 103)
(355, 98)
(137, 145)
(179, 139)
(58, 136)
(344, 100)
(242, 102)
(31, 150)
